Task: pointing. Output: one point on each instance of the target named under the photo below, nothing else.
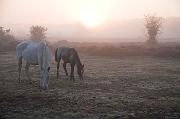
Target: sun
(90, 19)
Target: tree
(153, 25)
(38, 33)
(5, 34)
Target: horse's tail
(56, 58)
(20, 48)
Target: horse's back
(32, 52)
(66, 53)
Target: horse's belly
(31, 56)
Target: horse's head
(81, 71)
(45, 77)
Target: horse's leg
(19, 68)
(46, 84)
(58, 69)
(27, 70)
(72, 71)
(64, 65)
(41, 79)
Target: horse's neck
(44, 56)
(78, 62)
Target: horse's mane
(44, 54)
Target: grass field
(113, 88)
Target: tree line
(37, 33)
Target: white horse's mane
(45, 54)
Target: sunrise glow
(90, 19)
(91, 13)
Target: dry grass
(125, 87)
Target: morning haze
(90, 59)
(117, 19)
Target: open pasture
(113, 88)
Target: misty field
(113, 88)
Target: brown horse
(69, 55)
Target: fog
(121, 20)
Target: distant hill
(130, 30)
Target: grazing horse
(35, 53)
(69, 55)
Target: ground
(113, 88)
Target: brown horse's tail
(56, 55)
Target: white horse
(35, 53)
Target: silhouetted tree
(38, 33)
(7, 40)
(5, 34)
(153, 25)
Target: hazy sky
(88, 12)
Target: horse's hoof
(72, 79)
(45, 88)
(30, 82)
